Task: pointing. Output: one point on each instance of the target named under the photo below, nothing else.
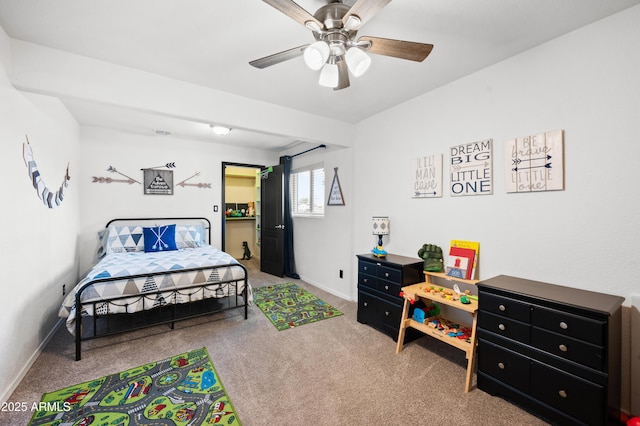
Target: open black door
(272, 223)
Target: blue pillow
(160, 238)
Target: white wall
(323, 245)
(39, 250)
(585, 236)
(128, 153)
(584, 83)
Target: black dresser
(379, 284)
(552, 349)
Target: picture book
(464, 248)
(457, 266)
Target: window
(307, 191)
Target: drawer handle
(563, 325)
(502, 327)
(563, 348)
(386, 275)
(366, 268)
(366, 280)
(563, 393)
(502, 308)
(365, 304)
(386, 313)
(386, 287)
(501, 366)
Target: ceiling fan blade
(364, 10)
(276, 58)
(343, 75)
(410, 50)
(294, 11)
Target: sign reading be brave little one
(535, 163)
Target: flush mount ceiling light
(336, 50)
(220, 130)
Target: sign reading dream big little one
(470, 168)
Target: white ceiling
(210, 43)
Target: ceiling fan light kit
(357, 61)
(336, 52)
(316, 55)
(329, 75)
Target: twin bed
(150, 272)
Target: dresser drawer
(504, 365)
(379, 313)
(574, 396)
(504, 306)
(503, 326)
(575, 326)
(389, 288)
(389, 274)
(390, 314)
(368, 268)
(366, 280)
(367, 307)
(568, 348)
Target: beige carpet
(336, 372)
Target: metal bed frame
(164, 314)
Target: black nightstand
(379, 284)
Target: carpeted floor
(182, 389)
(288, 305)
(334, 372)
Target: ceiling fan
(336, 52)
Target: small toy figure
(378, 251)
(247, 252)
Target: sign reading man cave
(427, 176)
(470, 168)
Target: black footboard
(166, 306)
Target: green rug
(181, 390)
(288, 305)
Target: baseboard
(23, 372)
(328, 290)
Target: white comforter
(159, 289)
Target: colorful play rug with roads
(288, 305)
(181, 390)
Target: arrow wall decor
(535, 163)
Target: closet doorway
(241, 209)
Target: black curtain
(289, 259)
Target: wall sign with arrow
(535, 163)
(470, 168)
(427, 176)
(157, 181)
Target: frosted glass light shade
(329, 75)
(316, 54)
(357, 61)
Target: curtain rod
(310, 149)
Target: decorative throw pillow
(160, 238)
(124, 239)
(190, 236)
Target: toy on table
(432, 255)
